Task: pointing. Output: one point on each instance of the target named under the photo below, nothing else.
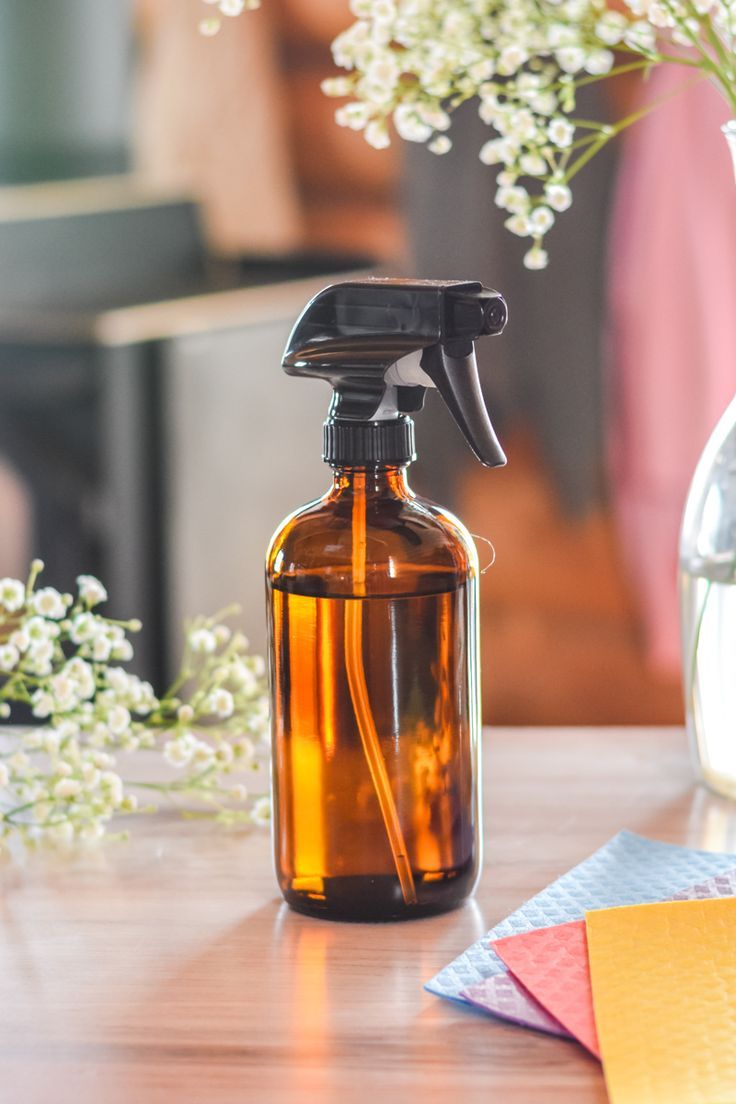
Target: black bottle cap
(356, 444)
(380, 343)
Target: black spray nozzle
(381, 343)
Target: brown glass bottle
(375, 704)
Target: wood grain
(167, 969)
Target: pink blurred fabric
(672, 313)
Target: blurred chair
(102, 282)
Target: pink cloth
(672, 311)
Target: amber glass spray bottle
(372, 604)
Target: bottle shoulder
(410, 545)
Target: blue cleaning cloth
(628, 870)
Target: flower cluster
(212, 23)
(60, 657)
(410, 63)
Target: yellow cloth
(664, 994)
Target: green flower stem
(590, 124)
(622, 124)
(182, 784)
(35, 571)
(620, 70)
(9, 817)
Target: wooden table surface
(167, 969)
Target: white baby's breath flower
(122, 650)
(20, 640)
(261, 812)
(91, 590)
(561, 132)
(113, 785)
(118, 680)
(440, 145)
(570, 59)
(337, 86)
(39, 657)
(42, 703)
(48, 602)
(225, 754)
(66, 788)
(243, 677)
(511, 58)
(84, 627)
(352, 115)
(64, 692)
(244, 749)
(66, 729)
(506, 178)
(19, 762)
(101, 648)
(522, 125)
(209, 27)
(9, 657)
(376, 134)
(514, 199)
(641, 36)
(599, 62)
(38, 628)
(179, 751)
(558, 196)
(12, 594)
(490, 152)
(536, 258)
(118, 720)
(202, 641)
(544, 103)
(519, 225)
(611, 27)
(533, 164)
(61, 833)
(4, 776)
(223, 633)
(235, 793)
(83, 675)
(542, 220)
(90, 775)
(409, 124)
(221, 703)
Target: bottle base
(378, 898)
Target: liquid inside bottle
(416, 669)
(708, 599)
(708, 608)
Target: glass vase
(708, 608)
(708, 599)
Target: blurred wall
(65, 88)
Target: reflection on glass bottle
(708, 608)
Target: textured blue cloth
(628, 870)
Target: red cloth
(672, 334)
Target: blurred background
(169, 202)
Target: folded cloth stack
(618, 955)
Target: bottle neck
(387, 481)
